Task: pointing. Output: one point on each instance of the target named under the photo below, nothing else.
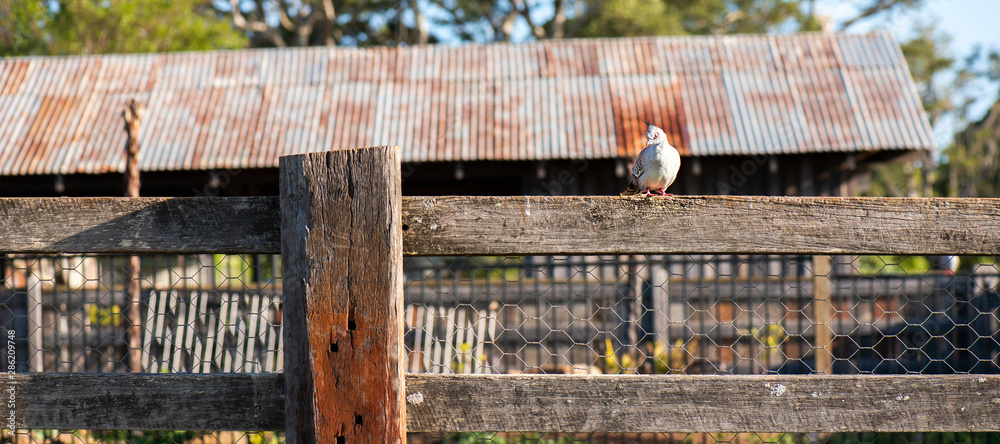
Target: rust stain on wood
(344, 309)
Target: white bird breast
(660, 164)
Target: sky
(967, 21)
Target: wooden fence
(342, 228)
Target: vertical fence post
(341, 246)
(33, 290)
(822, 314)
(133, 269)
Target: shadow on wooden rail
(524, 225)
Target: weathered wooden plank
(692, 403)
(472, 225)
(250, 224)
(699, 224)
(145, 401)
(342, 251)
(139, 225)
(570, 403)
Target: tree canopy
(381, 22)
(64, 27)
(972, 165)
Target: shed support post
(342, 259)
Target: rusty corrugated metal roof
(557, 99)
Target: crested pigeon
(656, 166)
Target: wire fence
(699, 315)
(704, 314)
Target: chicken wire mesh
(195, 313)
(702, 314)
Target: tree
(114, 26)
(124, 26)
(382, 22)
(929, 61)
(875, 8)
(21, 27)
(326, 22)
(498, 20)
(972, 166)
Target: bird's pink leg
(663, 192)
(648, 193)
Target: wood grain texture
(139, 225)
(569, 403)
(146, 401)
(699, 224)
(343, 287)
(474, 225)
(693, 403)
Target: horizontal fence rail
(145, 401)
(140, 225)
(700, 224)
(471, 225)
(538, 403)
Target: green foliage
(104, 316)
(245, 268)
(770, 335)
(383, 22)
(474, 438)
(65, 27)
(928, 59)
(486, 268)
(280, 23)
(971, 166)
(901, 179)
(893, 265)
(495, 438)
(128, 26)
(494, 21)
(739, 16)
(628, 18)
(657, 358)
(21, 25)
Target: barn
(804, 114)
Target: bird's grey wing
(637, 167)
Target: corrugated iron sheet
(551, 100)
